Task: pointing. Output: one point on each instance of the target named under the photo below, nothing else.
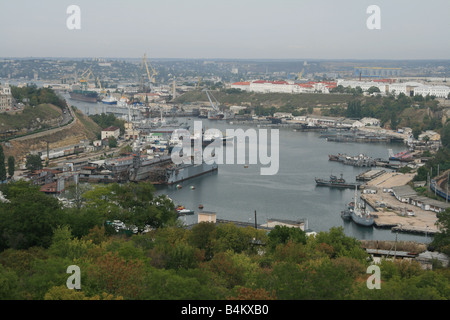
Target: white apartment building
(438, 91)
(263, 86)
(5, 98)
(364, 85)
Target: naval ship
(358, 213)
(336, 182)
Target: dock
(370, 174)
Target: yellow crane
(85, 77)
(151, 77)
(102, 90)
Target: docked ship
(336, 182)
(182, 172)
(404, 156)
(358, 213)
(84, 95)
(347, 213)
(110, 100)
(356, 161)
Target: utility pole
(256, 225)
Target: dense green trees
(445, 135)
(33, 162)
(40, 239)
(37, 96)
(107, 120)
(2, 165)
(11, 166)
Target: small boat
(182, 211)
(347, 213)
(200, 206)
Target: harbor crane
(85, 77)
(216, 113)
(214, 106)
(102, 90)
(153, 74)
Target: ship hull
(110, 102)
(185, 172)
(82, 97)
(336, 185)
(362, 221)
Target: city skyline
(198, 29)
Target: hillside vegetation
(82, 129)
(39, 239)
(237, 97)
(31, 118)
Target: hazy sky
(247, 29)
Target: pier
(398, 215)
(369, 175)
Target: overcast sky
(242, 29)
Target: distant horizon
(228, 59)
(227, 30)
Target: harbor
(288, 185)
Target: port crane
(85, 77)
(214, 106)
(216, 113)
(151, 76)
(102, 90)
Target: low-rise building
(111, 132)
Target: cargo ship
(336, 182)
(84, 95)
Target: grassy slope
(85, 128)
(27, 118)
(303, 100)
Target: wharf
(369, 175)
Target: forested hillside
(40, 239)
